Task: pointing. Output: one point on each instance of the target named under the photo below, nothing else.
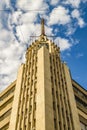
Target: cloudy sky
(66, 20)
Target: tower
(44, 97)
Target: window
(35, 106)
(34, 123)
(29, 125)
(53, 105)
(55, 123)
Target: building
(44, 96)
(81, 103)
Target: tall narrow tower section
(44, 97)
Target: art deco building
(44, 96)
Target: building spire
(42, 27)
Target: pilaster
(13, 120)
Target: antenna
(42, 27)
(42, 31)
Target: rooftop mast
(42, 27)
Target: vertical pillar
(13, 120)
(74, 112)
(44, 111)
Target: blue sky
(64, 19)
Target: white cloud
(81, 22)
(6, 80)
(76, 14)
(10, 58)
(73, 3)
(54, 2)
(32, 5)
(11, 55)
(79, 55)
(16, 16)
(0, 26)
(84, 1)
(68, 54)
(63, 43)
(3, 3)
(5, 35)
(26, 30)
(70, 30)
(59, 15)
(28, 17)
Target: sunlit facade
(44, 96)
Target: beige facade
(44, 97)
(6, 102)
